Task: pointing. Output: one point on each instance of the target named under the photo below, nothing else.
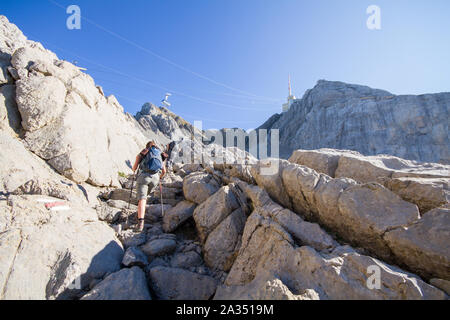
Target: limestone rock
(321, 160)
(198, 186)
(222, 244)
(212, 212)
(19, 166)
(126, 284)
(368, 211)
(370, 169)
(129, 238)
(159, 247)
(177, 215)
(124, 195)
(423, 246)
(134, 257)
(343, 274)
(153, 212)
(426, 193)
(53, 254)
(163, 121)
(263, 287)
(261, 237)
(34, 95)
(441, 284)
(171, 284)
(120, 204)
(424, 184)
(186, 260)
(304, 232)
(267, 174)
(10, 118)
(107, 213)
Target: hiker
(152, 167)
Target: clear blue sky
(249, 45)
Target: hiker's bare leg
(141, 208)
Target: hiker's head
(150, 144)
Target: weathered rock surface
(82, 121)
(303, 232)
(180, 284)
(44, 252)
(186, 260)
(177, 215)
(134, 257)
(424, 184)
(18, 165)
(263, 287)
(343, 274)
(163, 122)
(423, 246)
(10, 119)
(426, 193)
(159, 247)
(129, 238)
(223, 243)
(346, 116)
(213, 211)
(126, 284)
(198, 186)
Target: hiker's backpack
(152, 162)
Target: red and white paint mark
(54, 205)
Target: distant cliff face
(161, 121)
(371, 121)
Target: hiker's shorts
(145, 184)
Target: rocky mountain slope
(371, 121)
(315, 226)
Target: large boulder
(322, 160)
(126, 284)
(134, 257)
(359, 213)
(19, 166)
(34, 96)
(262, 287)
(267, 174)
(426, 193)
(159, 247)
(213, 211)
(52, 254)
(368, 211)
(371, 168)
(267, 248)
(177, 215)
(423, 246)
(180, 284)
(424, 184)
(303, 232)
(186, 260)
(223, 243)
(198, 186)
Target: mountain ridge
(338, 115)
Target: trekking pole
(162, 204)
(132, 186)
